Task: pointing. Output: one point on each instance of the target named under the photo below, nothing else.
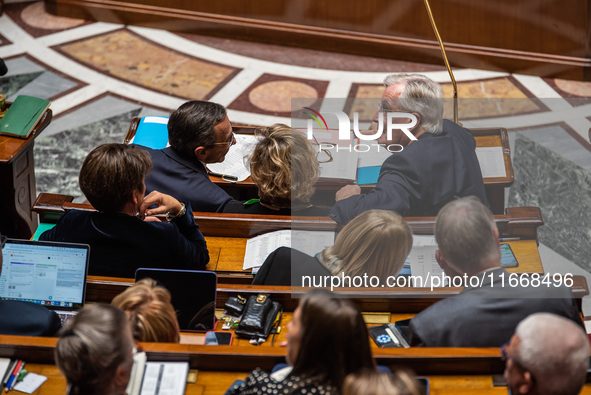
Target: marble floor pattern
(99, 76)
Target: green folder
(22, 116)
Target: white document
(236, 161)
(137, 373)
(376, 156)
(423, 264)
(421, 241)
(258, 248)
(343, 165)
(30, 383)
(153, 119)
(492, 161)
(165, 378)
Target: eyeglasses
(231, 141)
(323, 155)
(2, 241)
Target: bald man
(547, 355)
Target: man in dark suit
(125, 234)
(436, 166)
(199, 133)
(547, 355)
(24, 318)
(485, 315)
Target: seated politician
(199, 132)
(327, 339)
(26, 318)
(547, 355)
(439, 165)
(124, 234)
(375, 243)
(284, 168)
(468, 242)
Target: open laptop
(46, 273)
(193, 295)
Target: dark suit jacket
(487, 316)
(120, 243)
(27, 319)
(185, 179)
(285, 263)
(422, 178)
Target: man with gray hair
(436, 166)
(484, 315)
(547, 355)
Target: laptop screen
(193, 295)
(46, 273)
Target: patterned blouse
(260, 382)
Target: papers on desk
(421, 261)
(370, 164)
(492, 161)
(157, 378)
(236, 161)
(165, 378)
(30, 383)
(258, 248)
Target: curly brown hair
(283, 166)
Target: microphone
(3, 68)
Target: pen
(222, 176)
(9, 371)
(18, 372)
(12, 378)
(394, 338)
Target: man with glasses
(199, 133)
(434, 168)
(547, 355)
(487, 311)
(24, 318)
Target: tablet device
(193, 295)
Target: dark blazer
(422, 178)
(120, 243)
(285, 263)
(185, 179)
(27, 319)
(487, 316)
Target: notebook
(193, 295)
(46, 273)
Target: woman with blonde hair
(284, 168)
(152, 316)
(375, 243)
(94, 351)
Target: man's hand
(166, 203)
(347, 191)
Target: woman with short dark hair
(124, 234)
(327, 339)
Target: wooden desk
(217, 382)
(325, 190)
(17, 178)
